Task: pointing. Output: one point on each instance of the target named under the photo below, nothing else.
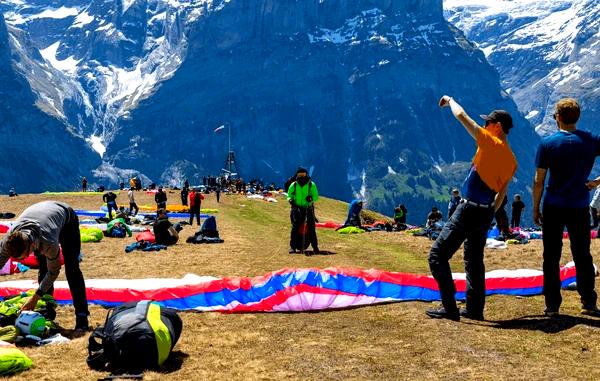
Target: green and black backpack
(136, 336)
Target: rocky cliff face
(38, 152)
(346, 88)
(350, 92)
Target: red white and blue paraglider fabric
(290, 289)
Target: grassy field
(384, 342)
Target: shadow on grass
(544, 324)
(174, 362)
(310, 253)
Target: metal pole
(229, 148)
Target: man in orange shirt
(484, 189)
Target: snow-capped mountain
(93, 61)
(544, 50)
(346, 88)
(38, 152)
(349, 89)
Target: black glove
(309, 198)
(293, 203)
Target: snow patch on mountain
(82, 20)
(68, 65)
(47, 13)
(97, 145)
(127, 4)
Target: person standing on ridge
(184, 195)
(569, 155)
(84, 185)
(161, 199)
(40, 229)
(218, 193)
(111, 203)
(302, 194)
(196, 198)
(132, 204)
(516, 209)
(483, 191)
(454, 201)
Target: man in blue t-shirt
(569, 156)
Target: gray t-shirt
(42, 222)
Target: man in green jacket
(302, 194)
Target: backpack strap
(97, 358)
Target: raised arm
(459, 113)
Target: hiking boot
(590, 311)
(441, 313)
(551, 313)
(316, 250)
(473, 316)
(81, 324)
(292, 251)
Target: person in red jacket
(196, 198)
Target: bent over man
(40, 229)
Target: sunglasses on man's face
(554, 116)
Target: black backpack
(289, 182)
(135, 337)
(209, 227)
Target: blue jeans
(468, 224)
(577, 222)
(111, 205)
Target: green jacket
(112, 223)
(298, 193)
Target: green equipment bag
(10, 307)
(12, 361)
(135, 337)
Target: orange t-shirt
(494, 161)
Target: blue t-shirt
(569, 158)
(474, 189)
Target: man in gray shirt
(41, 228)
